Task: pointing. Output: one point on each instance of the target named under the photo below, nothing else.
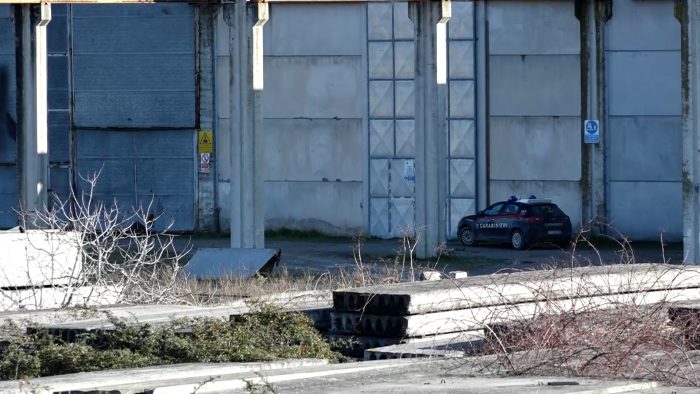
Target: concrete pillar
(430, 22)
(247, 139)
(207, 219)
(689, 16)
(33, 109)
(482, 110)
(593, 14)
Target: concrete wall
(535, 102)
(8, 119)
(643, 65)
(314, 116)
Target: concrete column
(247, 138)
(690, 56)
(430, 22)
(482, 110)
(593, 14)
(33, 113)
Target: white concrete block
(517, 27)
(406, 138)
(381, 138)
(315, 29)
(401, 186)
(644, 83)
(379, 21)
(462, 138)
(405, 99)
(535, 85)
(463, 178)
(314, 87)
(38, 258)
(536, 148)
(381, 99)
(305, 206)
(379, 177)
(461, 99)
(461, 59)
(379, 217)
(643, 25)
(380, 55)
(461, 25)
(313, 150)
(458, 274)
(403, 25)
(404, 60)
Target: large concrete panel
(380, 55)
(313, 150)
(330, 207)
(8, 197)
(461, 25)
(403, 25)
(133, 35)
(381, 138)
(535, 85)
(5, 11)
(644, 210)
(533, 27)
(644, 83)
(143, 72)
(643, 25)
(379, 177)
(59, 136)
(462, 138)
(645, 148)
(535, 148)
(8, 147)
(134, 109)
(379, 21)
(222, 149)
(57, 33)
(565, 194)
(314, 87)
(223, 87)
(401, 183)
(110, 11)
(315, 29)
(461, 59)
(58, 85)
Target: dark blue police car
(520, 222)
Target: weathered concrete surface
(505, 289)
(635, 210)
(387, 376)
(475, 318)
(145, 379)
(454, 345)
(39, 258)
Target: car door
(505, 220)
(486, 223)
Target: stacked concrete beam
(314, 304)
(430, 308)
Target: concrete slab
(475, 318)
(221, 263)
(37, 258)
(502, 289)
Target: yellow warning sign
(205, 141)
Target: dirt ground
(328, 254)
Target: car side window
(510, 209)
(493, 210)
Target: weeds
(268, 334)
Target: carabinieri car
(521, 223)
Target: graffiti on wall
(8, 125)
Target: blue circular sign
(591, 127)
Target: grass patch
(269, 334)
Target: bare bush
(604, 321)
(122, 257)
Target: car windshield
(545, 210)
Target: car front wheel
(466, 236)
(517, 240)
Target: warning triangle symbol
(205, 140)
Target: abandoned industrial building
(358, 136)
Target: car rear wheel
(466, 236)
(517, 240)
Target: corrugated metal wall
(644, 119)
(133, 71)
(8, 108)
